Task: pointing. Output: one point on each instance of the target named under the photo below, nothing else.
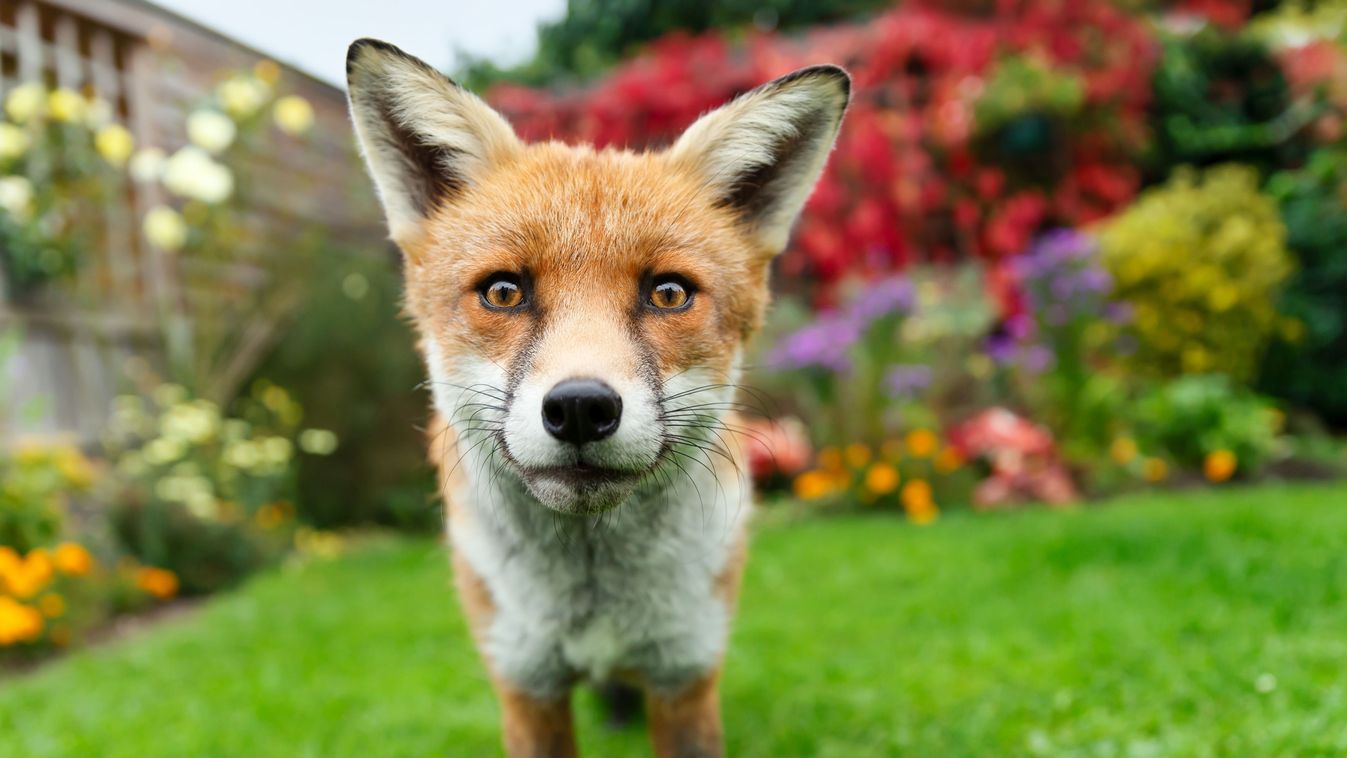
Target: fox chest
(591, 604)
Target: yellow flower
(1123, 450)
(72, 559)
(1220, 465)
(52, 606)
(76, 469)
(25, 102)
(881, 479)
(924, 514)
(66, 106)
(1155, 470)
(267, 71)
(857, 455)
(18, 622)
(242, 96)
(192, 173)
(212, 131)
(161, 583)
(812, 485)
(115, 143)
(13, 141)
(165, 229)
(922, 443)
(293, 114)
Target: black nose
(581, 410)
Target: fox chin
(581, 314)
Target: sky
(312, 35)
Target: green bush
(351, 358)
(1201, 260)
(1193, 417)
(1221, 97)
(1309, 365)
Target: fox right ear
(424, 138)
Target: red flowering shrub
(915, 177)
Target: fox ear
(762, 152)
(424, 138)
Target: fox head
(582, 312)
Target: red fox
(582, 314)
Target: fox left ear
(762, 153)
(424, 137)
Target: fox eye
(501, 292)
(670, 294)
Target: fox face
(582, 312)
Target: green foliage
(1201, 259)
(35, 481)
(1221, 97)
(1309, 365)
(595, 34)
(1194, 416)
(359, 380)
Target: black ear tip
(828, 71)
(365, 45)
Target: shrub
(207, 496)
(1308, 365)
(1201, 260)
(1208, 422)
(35, 481)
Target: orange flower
(948, 461)
(158, 582)
(923, 515)
(25, 576)
(18, 622)
(922, 443)
(829, 459)
(881, 479)
(812, 485)
(1123, 451)
(1155, 470)
(1220, 465)
(916, 495)
(72, 559)
(857, 455)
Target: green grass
(1194, 623)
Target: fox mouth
(585, 475)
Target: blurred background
(1065, 253)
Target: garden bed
(1174, 624)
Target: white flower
(13, 141)
(16, 195)
(148, 165)
(25, 102)
(242, 96)
(192, 173)
(293, 114)
(98, 113)
(165, 229)
(211, 130)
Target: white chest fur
(632, 590)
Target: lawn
(1196, 623)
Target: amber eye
(670, 295)
(502, 292)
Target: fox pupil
(669, 295)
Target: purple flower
(1001, 348)
(1119, 313)
(892, 295)
(908, 381)
(822, 344)
(1038, 359)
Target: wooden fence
(80, 340)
